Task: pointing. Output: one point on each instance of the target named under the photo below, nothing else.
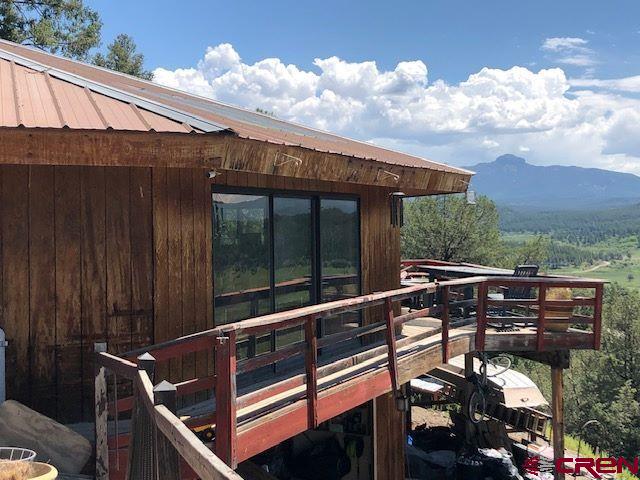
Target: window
(274, 252)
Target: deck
(452, 317)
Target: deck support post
(225, 391)
(557, 420)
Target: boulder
(53, 442)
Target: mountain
(511, 181)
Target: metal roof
(204, 114)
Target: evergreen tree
(67, 27)
(122, 57)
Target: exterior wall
(75, 268)
(123, 255)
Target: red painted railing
(456, 302)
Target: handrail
(454, 296)
(154, 416)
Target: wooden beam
(215, 151)
(557, 420)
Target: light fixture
(397, 208)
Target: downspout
(3, 346)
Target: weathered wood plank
(42, 288)
(161, 325)
(118, 258)
(93, 274)
(68, 286)
(14, 223)
(149, 149)
(187, 227)
(141, 231)
(174, 255)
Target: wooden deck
(247, 420)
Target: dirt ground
(429, 417)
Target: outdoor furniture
(523, 292)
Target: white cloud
(559, 44)
(628, 84)
(570, 51)
(549, 117)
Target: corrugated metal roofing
(244, 123)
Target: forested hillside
(575, 226)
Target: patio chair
(516, 292)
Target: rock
(53, 442)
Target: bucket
(42, 471)
(21, 470)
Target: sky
(557, 82)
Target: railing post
(141, 445)
(102, 415)
(226, 422)
(311, 367)
(167, 459)
(597, 318)
(147, 362)
(391, 345)
(481, 316)
(542, 298)
(445, 324)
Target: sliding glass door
(340, 259)
(274, 252)
(292, 260)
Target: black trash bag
(324, 461)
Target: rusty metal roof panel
(244, 123)
(39, 95)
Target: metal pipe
(3, 346)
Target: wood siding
(123, 255)
(76, 268)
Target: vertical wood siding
(124, 255)
(76, 268)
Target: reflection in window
(340, 259)
(293, 250)
(241, 257)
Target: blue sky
(579, 61)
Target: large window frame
(316, 268)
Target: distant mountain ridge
(511, 181)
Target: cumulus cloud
(543, 113)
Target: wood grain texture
(76, 261)
(68, 291)
(42, 317)
(15, 274)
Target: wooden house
(133, 214)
